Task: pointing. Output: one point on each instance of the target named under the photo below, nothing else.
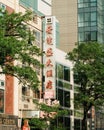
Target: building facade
(66, 12)
(17, 99)
(80, 21)
(90, 20)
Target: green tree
(49, 117)
(16, 45)
(88, 59)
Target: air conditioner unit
(2, 7)
(49, 20)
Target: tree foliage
(18, 54)
(88, 61)
(49, 115)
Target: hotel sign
(49, 70)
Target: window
(66, 99)
(37, 37)
(81, 37)
(80, 17)
(59, 83)
(36, 94)
(59, 71)
(94, 36)
(2, 84)
(66, 73)
(67, 85)
(25, 91)
(60, 96)
(87, 16)
(1, 101)
(93, 16)
(87, 36)
(80, 1)
(35, 19)
(62, 72)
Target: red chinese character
(49, 40)
(49, 30)
(49, 84)
(49, 63)
(49, 73)
(49, 52)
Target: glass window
(1, 101)
(93, 16)
(86, 24)
(80, 5)
(59, 71)
(93, 0)
(80, 24)
(81, 29)
(86, 4)
(93, 4)
(87, 28)
(67, 85)
(94, 23)
(80, 17)
(86, 1)
(66, 73)
(67, 123)
(66, 99)
(87, 36)
(81, 36)
(79, 1)
(37, 35)
(60, 96)
(94, 36)
(25, 91)
(59, 83)
(87, 16)
(93, 28)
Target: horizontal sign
(8, 120)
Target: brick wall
(9, 91)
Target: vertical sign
(49, 69)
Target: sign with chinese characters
(49, 70)
(30, 114)
(8, 120)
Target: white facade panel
(48, 1)
(44, 7)
(60, 58)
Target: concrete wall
(66, 12)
